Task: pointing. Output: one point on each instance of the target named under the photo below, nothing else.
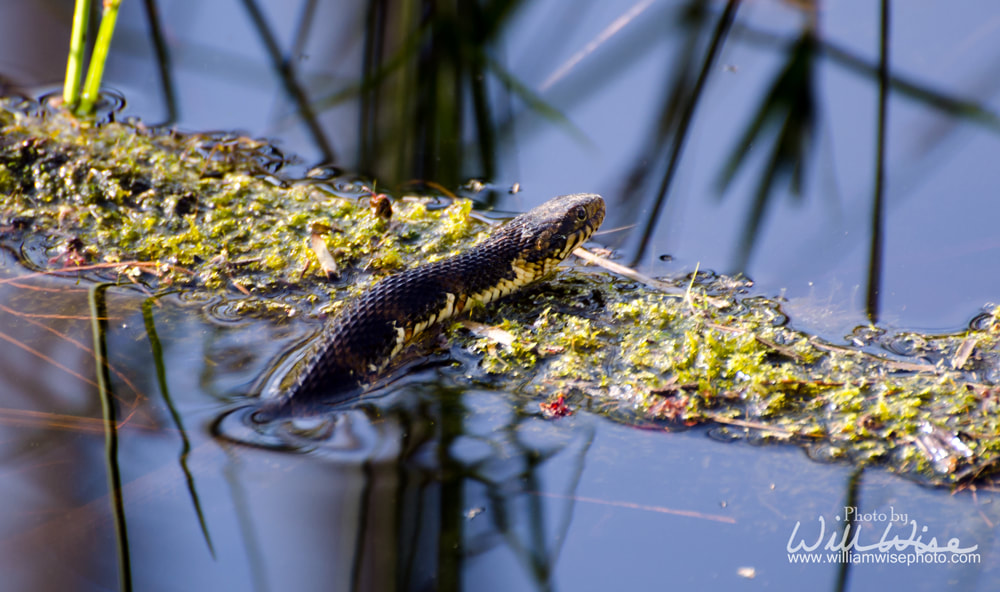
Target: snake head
(552, 230)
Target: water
(425, 487)
(434, 487)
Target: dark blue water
(435, 487)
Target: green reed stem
(74, 63)
(92, 86)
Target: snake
(372, 329)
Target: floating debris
(555, 407)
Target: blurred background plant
(660, 105)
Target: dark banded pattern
(361, 341)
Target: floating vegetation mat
(165, 209)
(170, 211)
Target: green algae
(214, 219)
(668, 360)
(208, 213)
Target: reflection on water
(841, 166)
(427, 486)
(435, 487)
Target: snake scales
(361, 341)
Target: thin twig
(622, 270)
(635, 506)
(94, 267)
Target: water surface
(437, 487)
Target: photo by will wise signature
(881, 537)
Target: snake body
(373, 328)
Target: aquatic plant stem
(878, 207)
(163, 62)
(95, 72)
(74, 63)
(285, 69)
(161, 379)
(98, 312)
(851, 500)
(719, 36)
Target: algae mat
(216, 213)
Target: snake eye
(581, 213)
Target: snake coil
(361, 341)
